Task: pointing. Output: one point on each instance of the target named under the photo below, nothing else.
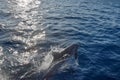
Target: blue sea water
(30, 28)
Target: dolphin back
(60, 59)
(71, 50)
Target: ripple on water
(30, 28)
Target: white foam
(46, 62)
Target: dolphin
(60, 58)
(51, 63)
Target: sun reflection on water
(26, 10)
(29, 29)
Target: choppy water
(30, 29)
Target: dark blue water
(30, 28)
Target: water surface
(30, 28)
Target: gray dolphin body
(60, 58)
(28, 72)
